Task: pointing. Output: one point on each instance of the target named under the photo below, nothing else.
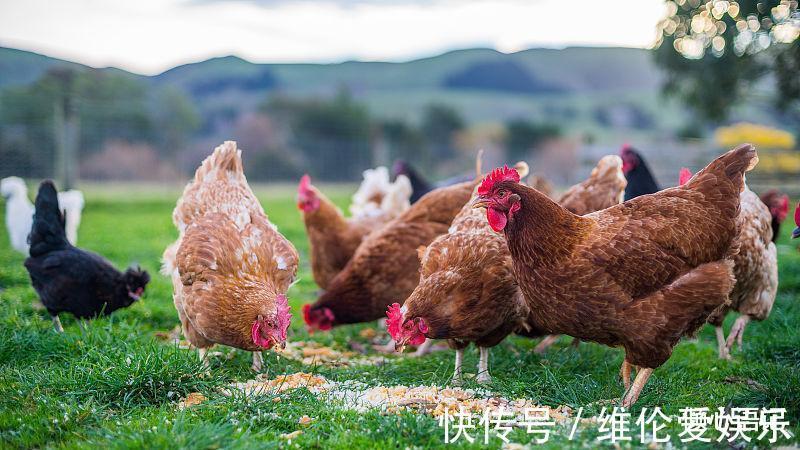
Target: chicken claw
(457, 380)
(483, 367)
(57, 324)
(203, 354)
(642, 375)
(258, 362)
(721, 344)
(625, 374)
(737, 331)
(545, 344)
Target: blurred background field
(721, 73)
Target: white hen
(19, 212)
(377, 195)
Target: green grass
(115, 385)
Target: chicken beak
(480, 202)
(399, 346)
(796, 233)
(277, 344)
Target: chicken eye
(502, 192)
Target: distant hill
(485, 84)
(577, 69)
(22, 67)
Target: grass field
(116, 385)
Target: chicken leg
(483, 367)
(545, 344)
(258, 362)
(625, 374)
(457, 379)
(642, 375)
(57, 324)
(203, 354)
(722, 346)
(737, 331)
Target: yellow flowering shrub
(763, 137)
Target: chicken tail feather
(522, 169)
(732, 165)
(168, 259)
(226, 158)
(47, 233)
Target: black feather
(69, 279)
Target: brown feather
(640, 274)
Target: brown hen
(466, 292)
(230, 267)
(604, 188)
(755, 265)
(638, 275)
(385, 267)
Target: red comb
(307, 313)
(797, 215)
(625, 147)
(305, 184)
(783, 208)
(497, 175)
(684, 176)
(394, 320)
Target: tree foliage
(439, 124)
(110, 107)
(715, 51)
(524, 136)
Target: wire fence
(563, 162)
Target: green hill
(574, 85)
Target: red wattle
(497, 219)
(257, 338)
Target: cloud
(149, 36)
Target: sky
(150, 36)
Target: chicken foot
(722, 346)
(203, 354)
(457, 380)
(483, 366)
(737, 331)
(548, 341)
(642, 375)
(57, 324)
(258, 362)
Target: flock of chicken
(473, 261)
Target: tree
(334, 135)
(103, 106)
(524, 136)
(405, 142)
(713, 52)
(439, 124)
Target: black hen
(69, 279)
(640, 180)
(419, 186)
